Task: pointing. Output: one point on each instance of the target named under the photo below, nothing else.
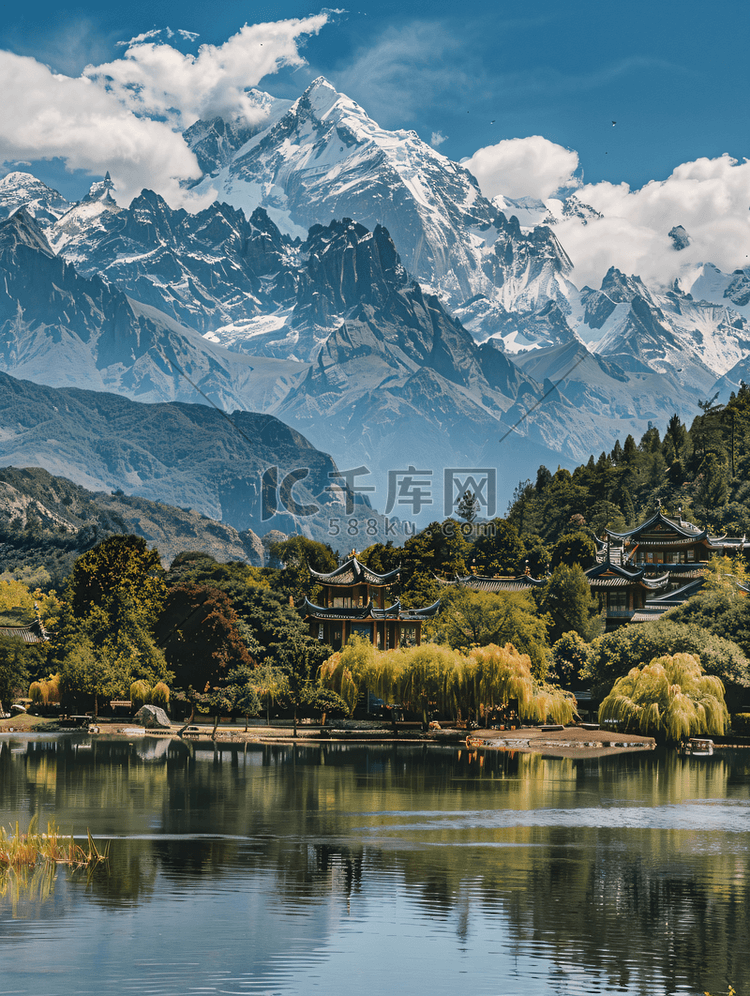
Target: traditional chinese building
(673, 546)
(33, 633)
(639, 574)
(661, 554)
(357, 600)
(498, 585)
(622, 591)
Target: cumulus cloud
(47, 115)
(125, 116)
(710, 198)
(523, 167)
(157, 79)
(437, 139)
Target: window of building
(617, 601)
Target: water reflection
(626, 872)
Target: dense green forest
(226, 635)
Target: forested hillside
(703, 469)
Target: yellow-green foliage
(725, 574)
(45, 691)
(433, 678)
(670, 696)
(503, 674)
(350, 670)
(19, 604)
(160, 695)
(23, 850)
(426, 677)
(140, 693)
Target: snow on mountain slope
(61, 329)
(207, 270)
(22, 190)
(216, 142)
(325, 159)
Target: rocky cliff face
(326, 159)
(62, 329)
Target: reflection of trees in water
(340, 821)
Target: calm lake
(390, 870)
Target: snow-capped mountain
(206, 269)
(433, 322)
(62, 329)
(325, 159)
(385, 378)
(22, 190)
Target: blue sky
(673, 76)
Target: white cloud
(710, 198)
(125, 116)
(437, 139)
(156, 79)
(47, 115)
(523, 167)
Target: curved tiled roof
(352, 572)
(33, 633)
(477, 582)
(686, 529)
(427, 613)
(696, 570)
(355, 613)
(608, 575)
(669, 599)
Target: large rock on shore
(153, 717)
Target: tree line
(228, 636)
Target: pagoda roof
(356, 612)
(722, 542)
(353, 572)
(669, 599)
(478, 582)
(426, 613)
(364, 613)
(659, 520)
(656, 607)
(608, 575)
(696, 570)
(33, 633)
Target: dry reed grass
(20, 850)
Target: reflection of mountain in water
(603, 867)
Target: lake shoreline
(573, 741)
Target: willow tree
(426, 678)
(502, 673)
(269, 683)
(351, 671)
(671, 696)
(45, 691)
(140, 694)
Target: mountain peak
(322, 96)
(101, 190)
(23, 190)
